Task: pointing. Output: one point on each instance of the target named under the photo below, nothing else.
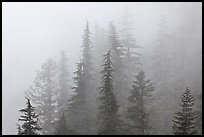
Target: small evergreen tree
(185, 120)
(108, 118)
(137, 113)
(30, 125)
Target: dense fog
(35, 32)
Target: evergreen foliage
(185, 120)
(64, 88)
(30, 119)
(43, 94)
(108, 110)
(137, 112)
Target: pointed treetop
(87, 24)
(109, 52)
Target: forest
(119, 86)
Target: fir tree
(78, 103)
(185, 120)
(120, 83)
(132, 55)
(116, 46)
(137, 112)
(87, 57)
(43, 94)
(89, 83)
(100, 46)
(163, 75)
(82, 106)
(161, 56)
(30, 119)
(108, 118)
(64, 87)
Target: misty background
(33, 32)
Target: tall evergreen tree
(64, 88)
(87, 57)
(116, 47)
(127, 38)
(162, 76)
(120, 83)
(82, 107)
(89, 82)
(185, 120)
(108, 110)
(137, 112)
(43, 93)
(30, 119)
(163, 57)
(77, 107)
(100, 46)
(131, 50)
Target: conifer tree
(89, 82)
(120, 83)
(108, 110)
(137, 112)
(127, 38)
(162, 76)
(87, 57)
(82, 106)
(161, 56)
(132, 55)
(100, 46)
(116, 47)
(43, 94)
(78, 103)
(185, 120)
(30, 119)
(64, 88)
